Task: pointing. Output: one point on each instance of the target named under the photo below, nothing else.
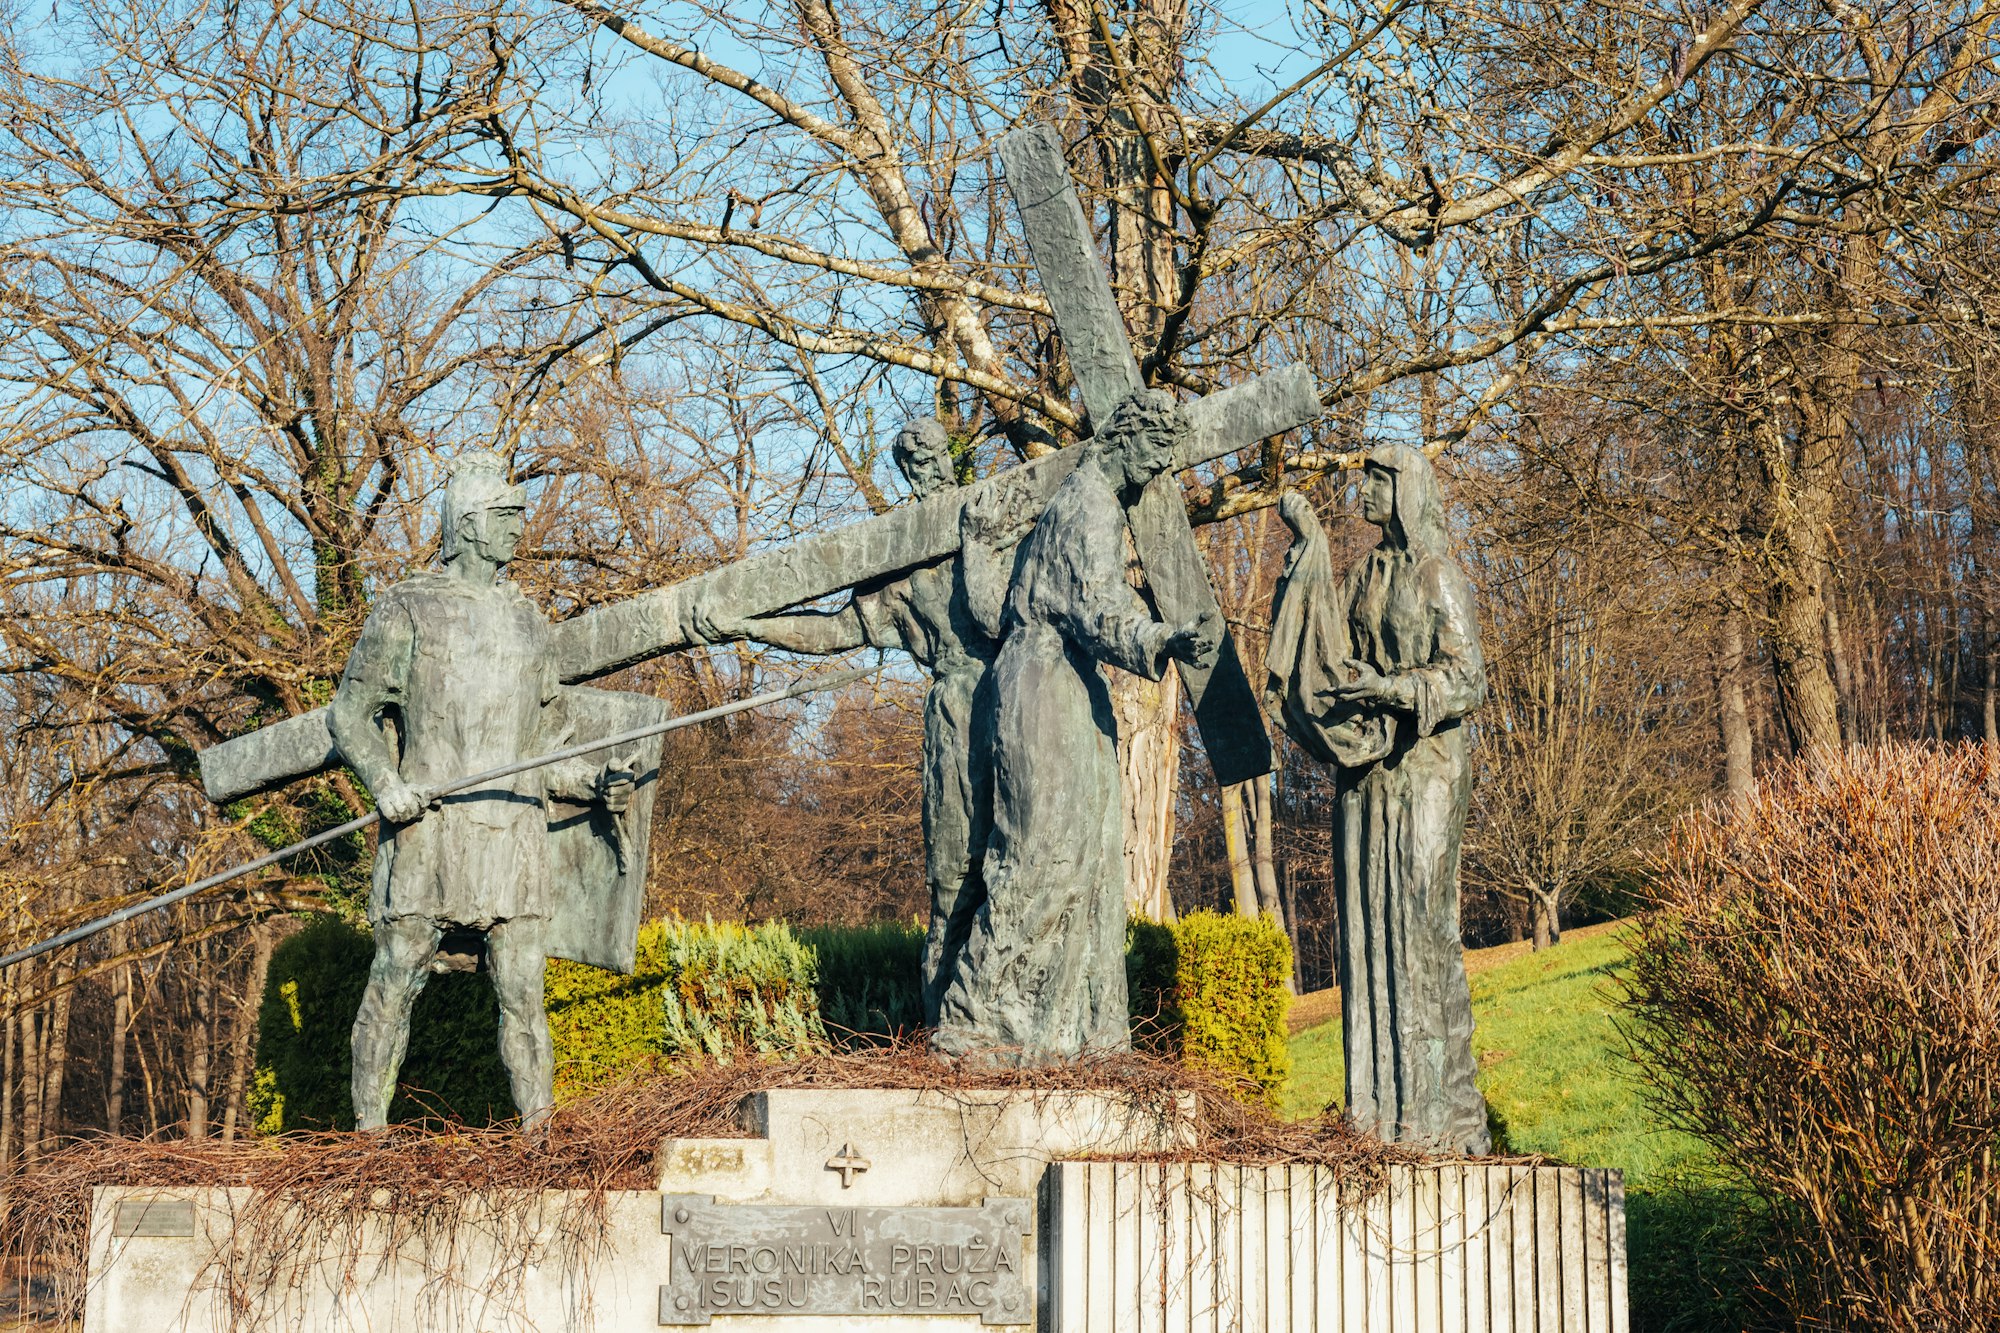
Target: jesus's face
(1147, 454)
(927, 470)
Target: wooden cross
(1226, 707)
(655, 623)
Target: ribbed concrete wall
(1142, 1248)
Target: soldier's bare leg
(514, 956)
(403, 949)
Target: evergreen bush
(697, 987)
(870, 981)
(1230, 996)
(604, 1025)
(304, 1023)
(1208, 988)
(732, 988)
(1150, 958)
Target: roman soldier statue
(452, 676)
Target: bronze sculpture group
(1011, 593)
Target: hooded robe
(1404, 779)
(1043, 977)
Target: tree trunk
(1145, 279)
(1548, 918)
(1236, 843)
(121, 1023)
(1733, 711)
(1803, 486)
(57, 1063)
(243, 1048)
(1263, 863)
(1149, 755)
(1843, 671)
(1989, 715)
(31, 1086)
(150, 1084)
(200, 1057)
(1798, 632)
(7, 1087)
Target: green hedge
(1230, 996)
(1150, 956)
(453, 1067)
(870, 979)
(1208, 988)
(695, 987)
(732, 988)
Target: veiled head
(1416, 511)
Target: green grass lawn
(1556, 1076)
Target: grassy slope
(1551, 1062)
(1555, 1074)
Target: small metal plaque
(752, 1259)
(153, 1217)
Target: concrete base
(1450, 1248)
(1098, 1245)
(926, 1149)
(177, 1260)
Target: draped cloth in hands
(1404, 780)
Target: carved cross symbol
(847, 1164)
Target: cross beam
(1226, 707)
(655, 623)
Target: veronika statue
(1374, 672)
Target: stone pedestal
(904, 1212)
(922, 1149)
(869, 1205)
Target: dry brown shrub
(312, 1194)
(1820, 995)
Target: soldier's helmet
(478, 482)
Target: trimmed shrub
(1231, 970)
(1818, 997)
(715, 989)
(604, 1025)
(870, 979)
(304, 1060)
(1150, 959)
(695, 988)
(732, 988)
(1230, 996)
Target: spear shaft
(810, 685)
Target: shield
(597, 860)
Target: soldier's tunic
(461, 675)
(925, 615)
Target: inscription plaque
(798, 1259)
